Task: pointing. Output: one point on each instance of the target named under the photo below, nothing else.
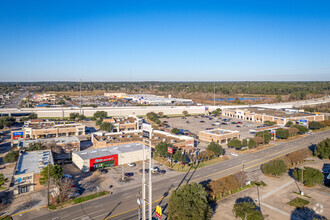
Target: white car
(234, 154)
(131, 164)
(154, 169)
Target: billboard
(303, 122)
(17, 135)
(146, 130)
(170, 150)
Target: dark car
(188, 122)
(196, 117)
(202, 121)
(165, 121)
(147, 170)
(129, 174)
(162, 172)
(238, 126)
(233, 122)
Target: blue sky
(164, 40)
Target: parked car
(202, 121)
(239, 122)
(233, 122)
(234, 154)
(131, 164)
(129, 174)
(162, 172)
(196, 117)
(146, 170)
(188, 122)
(154, 169)
(238, 126)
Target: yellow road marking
(29, 210)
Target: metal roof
(106, 151)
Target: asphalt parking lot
(195, 125)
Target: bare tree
(63, 190)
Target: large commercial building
(100, 139)
(281, 117)
(28, 168)
(93, 159)
(36, 129)
(124, 123)
(220, 136)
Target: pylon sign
(158, 212)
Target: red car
(239, 122)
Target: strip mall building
(93, 159)
(281, 117)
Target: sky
(164, 40)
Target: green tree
(73, 115)
(302, 129)
(265, 135)
(279, 98)
(7, 121)
(315, 125)
(189, 202)
(161, 149)
(322, 149)
(55, 173)
(61, 102)
(270, 123)
(2, 179)
(274, 168)
(180, 156)
(100, 114)
(11, 156)
(244, 142)
(160, 114)
(289, 124)
(35, 146)
(282, 133)
(81, 117)
(175, 131)
(185, 113)
(252, 143)
(33, 116)
(216, 148)
(216, 112)
(106, 126)
(310, 176)
(152, 116)
(247, 211)
(235, 143)
(99, 122)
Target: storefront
(102, 162)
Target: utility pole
(48, 183)
(147, 135)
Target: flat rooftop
(33, 161)
(106, 151)
(64, 140)
(219, 131)
(274, 112)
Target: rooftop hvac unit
(173, 141)
(129, 136)
(156, 137)
(136, 133)
(84, 153)
(164, 139)
(120, 136)
(140, 136)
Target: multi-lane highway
(122, 204)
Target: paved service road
(122, 203)
(16, 101)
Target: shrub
(152, 116)
(302, 129)
(274, 168)
(289, 124)
(297, 157)
(73, 115)
(322, 150)
(235, 143)
(309, 176)
(244, 142)
(269, 123)
(100, 114)
(264, 134)
(106, 126)
(247, 210)
(315, 125)
(175, 131)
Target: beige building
(281, 117)
(46, 129)
(220, 136)
(124, 123)
(93, 159)
(112, 139)
(28, 168)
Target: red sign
(169, 150)
(103, 159)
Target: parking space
(197, 123)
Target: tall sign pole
(147, 134)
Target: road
(122, 203)
(16, 101)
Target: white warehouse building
(93, 159)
